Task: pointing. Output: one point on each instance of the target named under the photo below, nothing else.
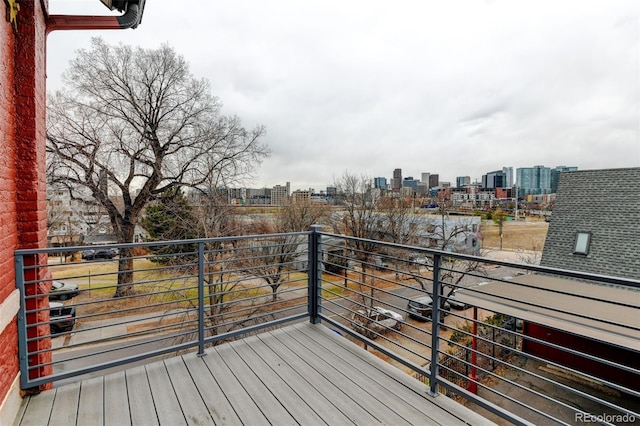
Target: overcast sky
(458, 88)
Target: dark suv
(100, 253)
(61, 318)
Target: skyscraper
(508, 171)
(434, 181)
(534, 180)
(396, 184)
(380, 182)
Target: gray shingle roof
(605, 203)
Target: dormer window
(583, 240)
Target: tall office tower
(434, 181)
(425, 178)
(380, 183)
(534, 180)
(508, 171)
(396, 184)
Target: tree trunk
(125, 266)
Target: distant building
(396, 183)
(533, 180)
(280, 194)
(508, 172)
(424, 178)
(462, 181)
(380, 182)
(434, 181)
(495, 179)
(77, 219)
(410, 182)
(301, 196)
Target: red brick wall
(8, 215)
(22, 150)
(30, 77)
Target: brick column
(30, 159)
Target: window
(583, 240)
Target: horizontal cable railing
(521, 342)
(174, 297)
(493, 358)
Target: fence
(185, 295)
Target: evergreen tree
(171, 218)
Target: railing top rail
(24, 252)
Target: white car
(377, 320)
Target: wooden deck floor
(302, 374)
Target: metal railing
(187, 295)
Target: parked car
(512, 324)
(377, 320)
(62, 291)
(99, 253)
(455, 303)
(421, 308)
(61, 318)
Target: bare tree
(401, 225)
(270, 259)
(360, 219)
(134, 122)
(448, 235)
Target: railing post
(315, 261)
(201, 331)
(435, 325)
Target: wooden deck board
(415, 407)
(91, 403)
(319, 383)
(221, 410)
(257, 391)
(319, 402)
(164, 397)
(246, 409)
(301, 374)
(115, 399)
(295, 405)
(140, 401)
(363, 394)
(37, 409)
(194, 408)
(66, 396)
(442, 409)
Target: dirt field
(521, 235)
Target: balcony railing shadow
(512, 341)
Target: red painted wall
(584, 345)
(22, 152)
